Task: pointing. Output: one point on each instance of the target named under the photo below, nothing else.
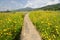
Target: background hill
(25, 9)
(50, 7)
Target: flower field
(10, 25)
(47, 24)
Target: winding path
(29, 32)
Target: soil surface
(29, 31)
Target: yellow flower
(8, 33)
(1, 32)
(1, 20)
(5, 33)
(54, 36)
(49, 39)
(56, 29)
(49, 24)
(57, 32)
(46, 36)
(48, 28)
(42, 22)
(42, 29)
(8, 19)
(47, 19)
(56, 26)
(1, 36)
(42, 34)
(5, 30)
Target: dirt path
(29, 31)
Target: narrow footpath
(29, 32)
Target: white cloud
(13, 4)
(40, 3)
(29, 4)
(53, 2)
(34, 3)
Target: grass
(47, 24)
(10, 25)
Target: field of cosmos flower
(10, 25)
(47, 23)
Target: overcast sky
(17, 4)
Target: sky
(17, 4)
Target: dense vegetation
(47, 23)
(10, 25)
(50, 7)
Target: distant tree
(7, 11)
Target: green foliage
(50, 7)
(10, 25)
(47, 23)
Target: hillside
(50, 7)
(25, 9)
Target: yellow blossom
(49, 39)
(49, 24)
(56, 29)
(57, 32)
(56, 26)
(5, 30)
(9, 33)
(54, 36)
(8, 19)
(42, 21)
